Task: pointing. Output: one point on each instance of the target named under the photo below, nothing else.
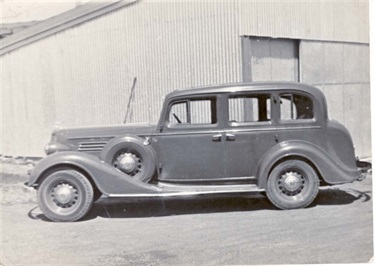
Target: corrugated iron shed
(77, 68)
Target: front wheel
(292, 184)
(65, 195)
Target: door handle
(216, 137)
(230, 136)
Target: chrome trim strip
(90, 149)
(271, 129)
(91, 144)
(235, 130)
(173, 182)
(300, 127)
(187, 133)
(86, 138)
(250, 188)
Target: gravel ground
(337, 228)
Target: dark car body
(215, 139)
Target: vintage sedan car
(257, 137)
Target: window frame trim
(248, 94)
(313, 120)
(176, 127)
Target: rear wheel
(65, 195)
(292, 184)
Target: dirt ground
(337, 228)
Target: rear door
(249, 133)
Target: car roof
(251, 86)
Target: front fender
(332, 172)
(107, 179)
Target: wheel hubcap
(291, 183)
(128, 163)
(64, 195)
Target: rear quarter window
(296, 107)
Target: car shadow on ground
(158, 207)
(340, 197)
(179, 206)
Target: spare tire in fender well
(136, 151)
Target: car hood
(143, 129)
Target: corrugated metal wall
(341, 70)
(300, 19)
(83, 75)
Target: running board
(172, 190)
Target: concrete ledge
(19, 160)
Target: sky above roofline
(14, 11)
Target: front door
(190, 146)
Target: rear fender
(330, 170)
(106, 178)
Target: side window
(295, 107)
(178, 113)
(196, 111)
(252, 108)
(200, 112)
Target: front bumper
(365, 168)
(26, 184)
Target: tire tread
(284, 205)
(88, 189)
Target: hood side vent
(91, 146)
